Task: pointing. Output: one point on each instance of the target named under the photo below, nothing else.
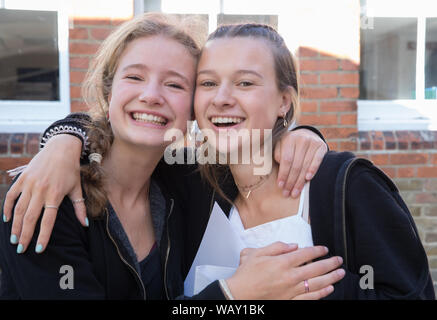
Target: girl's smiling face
(236, 88)
(152, 91)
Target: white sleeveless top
(292, 229)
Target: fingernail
(4, 218)
(340, 260)
(286, 193)
(87, 223)
(326, 249)
(280, 184)
(309, 176)
(295, 193)
(38, 248)
(20, 248)
(14, 239)
(292, 245)
(341, 272)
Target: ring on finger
(48, 206)
(307, 287)
(78, 200)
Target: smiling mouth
(223, 122)
(150, 118)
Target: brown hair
(287, 76)
(98, 85)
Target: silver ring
(47, 206)
(78, 200)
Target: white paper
(218, 256)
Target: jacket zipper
(121, 257)
(168, 249)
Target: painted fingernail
(4, 218)
(286, 193)
(280, 184)
(20, 248)
(38, 248)
(14, 239)
(295, 193)
(87, 223)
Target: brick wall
(330, 91)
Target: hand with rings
(39, 188)
(283, 272)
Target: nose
(223, 97)
(151, 94)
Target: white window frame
(414, 114)
(34, 116)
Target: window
(398, 67)
(34, 75)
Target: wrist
(65, 144)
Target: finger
(300, 182)
(316, 162)
(11, 196)
(318, 268)
(29, 221)
(79, 205)
(46, 228)
(275, 249)
(323, 281)
(296, 167)
(286, 161)
(301, 256)
(19, 211)
(316, 295)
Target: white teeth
(226, 120)
(149, 117)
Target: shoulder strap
(340, 238)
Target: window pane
(388, 59)
(431, 59)
(29, 62)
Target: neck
(128, 169)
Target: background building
(368, 68)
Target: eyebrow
(242, 71)
(167, 72)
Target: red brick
(318, 65)
(79, 63)
(117, 22)
(427, 172)
(428, 197)
(77, 77)
(408, 172)
(100, 33)
(75, 92)
(338, 133)
(333, 145)
(409, 158)
(17, 143)
(391, 172)
(379, 159)
(434, 159)
(308, 106)
(91, 21)
(318, 119)
(307, 52)
(319, 93)
(83, 48)
(348, 119)
(352, 93)
(339, 78)
(32, 145)
(309, 79)
(78, 33)
(338, 106)
(4, 143)
(349, 65)
(11, 163)
(348, 146)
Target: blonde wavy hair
(98, 84)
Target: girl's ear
(286, 101)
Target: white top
(291, 229)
